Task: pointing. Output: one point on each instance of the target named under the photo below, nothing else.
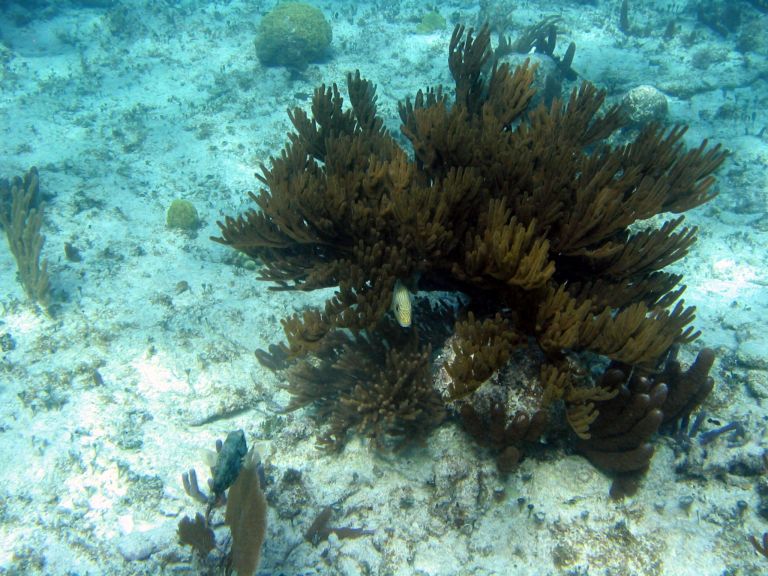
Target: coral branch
(23, 220)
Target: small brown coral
(686, 389)
(246, 516)
(480, 347)
(246, 506)
(21, 214)
(619, 437)
(620, 434)
(377, 384)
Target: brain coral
(293, 34)
(182, 215)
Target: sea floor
(148, 357)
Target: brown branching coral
(526, 211)
(686, 389)
(541, 35)
(379, 386)
(503, 434)
(618, 438)
(21, 216)
(480, 348)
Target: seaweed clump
(542, 226)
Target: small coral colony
(510, 236)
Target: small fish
(401, 304)
(229, 462)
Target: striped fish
(401, 304)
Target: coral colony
(525, 212)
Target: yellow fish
(401, 304)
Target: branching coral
(379, 386)
(619, 435)
(528, 213)
(21, 216)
